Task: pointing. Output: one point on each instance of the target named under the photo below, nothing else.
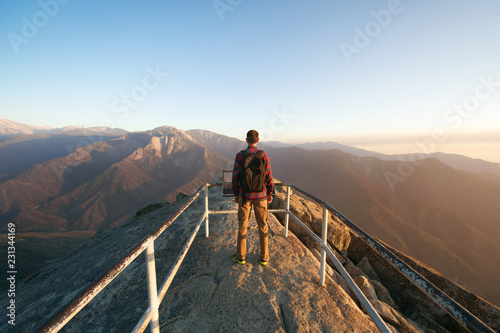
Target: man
(246, 200)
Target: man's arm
(269, 177)
(236, 171)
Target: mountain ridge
(22, 151)
(9, 128)
(107, 181)
(456, 161)
(207, 138)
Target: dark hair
(252, 137)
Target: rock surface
(211, 293)
(284, 296)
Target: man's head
(252, 137)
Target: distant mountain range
(9, 128)
(442, 215)
(100, 185)
(458, 162)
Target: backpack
(252, 175)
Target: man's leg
(261, 214)
(243, 214)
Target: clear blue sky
(376, 74)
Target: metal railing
(150, 316)
(459, 313)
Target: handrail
(359, 294)
(150, 316)
(461, 315)
(69, 311)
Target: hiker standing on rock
(252, 186)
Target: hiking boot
(241, 262)
(264, 262)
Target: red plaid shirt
(238, 190)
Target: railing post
(288, 209)
(323, 245)
(152, 293)
(206, 212)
